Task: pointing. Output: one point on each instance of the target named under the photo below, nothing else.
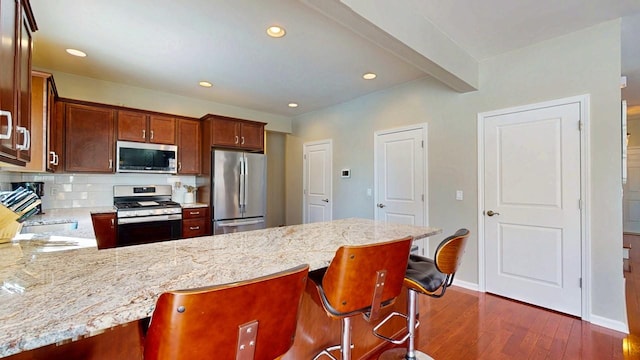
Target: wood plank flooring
(466, 324)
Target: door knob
(381, 205)
(491, 213)
(325, 200)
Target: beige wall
(585, 62)
(106, 92)
(275, 148)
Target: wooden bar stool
(253, 319)
(429, 277)
(360, 280)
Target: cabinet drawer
(195, 213)
(194, 227)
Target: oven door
(148, 229)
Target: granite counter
(51, 296)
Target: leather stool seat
(423, 275)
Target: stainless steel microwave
(146, 158)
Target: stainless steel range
(146, 214)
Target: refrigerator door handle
(242, 185)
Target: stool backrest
(350, 280)
(205, 323)
(450, 251)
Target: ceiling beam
(406, 34)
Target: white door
(317, 181)
(532, 216)
(631, 191)
(400, 176)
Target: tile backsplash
(90, 190)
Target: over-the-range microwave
(146, 158)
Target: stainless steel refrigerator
(238, 191)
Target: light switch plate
(459, 195)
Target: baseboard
(610, 324)
(465, 284)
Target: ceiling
(170, 46)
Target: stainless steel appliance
(238, 191)
(146, 158)
(146, 214)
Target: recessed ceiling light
(205, 84)
(369, 76)
(75, 52)
(293, 105)
(276, 31)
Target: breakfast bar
(55, 293)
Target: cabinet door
(225, 132)
(89, 139)
(162, 129)
(188, 146)
(55, 127)
(252, 136)
(104, 227)
(23, 128)
(9, 15)
(132, 126)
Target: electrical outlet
(459, 195)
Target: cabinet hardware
(194, 212)
(144, 134)
(194, 227)
(110, 163)
(7, 135)
(26, 138)
(236, 139)
(243, 140)
(151, 134)
(54, 158)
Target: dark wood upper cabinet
(188, 146)
(16, 25)
(89, 138)
(143, 127)
(236, 133)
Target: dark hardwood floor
(466, 324)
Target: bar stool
(360, 280)
(429, 277)
(253, 319)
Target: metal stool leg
(345, 344)
(410, 353)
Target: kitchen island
(53, 297)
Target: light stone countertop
(62, 288)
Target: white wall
(585, 62)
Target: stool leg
(410, 353)
(346, 338)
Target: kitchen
(451, 117)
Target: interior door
(317, 158)
(400, 177)
(532, 206)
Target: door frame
(585, 190)
(424, 128)
(305, 164)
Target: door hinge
(422, 197)
(304, 191)
(579, 125)
(579, 204)
(422, 144)
(304, 156)
(580, 282)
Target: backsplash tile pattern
(65, 191)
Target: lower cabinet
(104, 227)
(195, 222)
